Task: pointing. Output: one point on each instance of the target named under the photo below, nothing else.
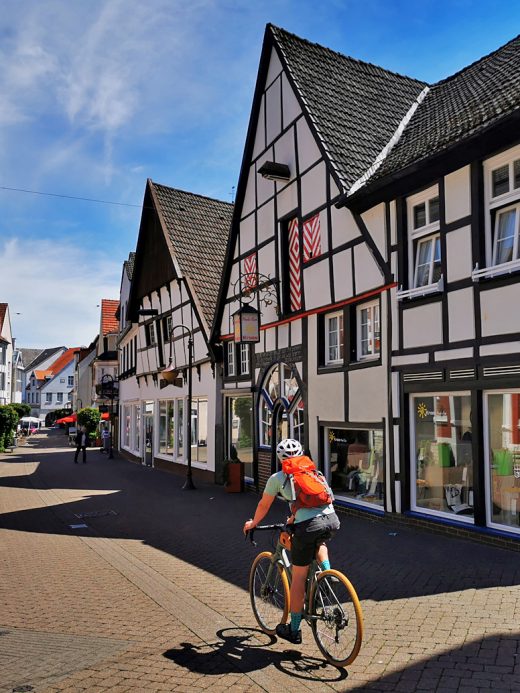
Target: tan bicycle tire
(269, 627)
(356, 609)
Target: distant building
(6, 354)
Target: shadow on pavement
(246, 650)
(119, 499)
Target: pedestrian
(81, 444)
(105, 437)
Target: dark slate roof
(355, 106)
(198, 228)
(129, 265)
(460, 106)
(29, 355)
(43, 355)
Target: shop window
(503, 460)
(368, 330)
(199, 429)
(126, 426)
(356, 464)
(137, 426)
(442, 457)
(334, 338)
(166, 427)
(240, 431)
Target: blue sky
(98, 96)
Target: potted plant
(233, 473)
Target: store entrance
(148, 434)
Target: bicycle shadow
(248, 650)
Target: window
(505, 178)
(59, 397)
(199, 429)
(137, 426)
(3, 354)
(240, 431)
(48, 397)
(231, 358)
(166, 427)
(334, 338)
(167, 327)
(71, 381)
(506, 233)
(150, 334)
(368, 331)
(442, 454)
(424, 247)
(2, 381)
(126, 425)
(244, 359)
(281, 406)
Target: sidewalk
(151, 594)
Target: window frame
(430, 228)
(340, 316)
(516, 233)
(368, 305)
(230, 359)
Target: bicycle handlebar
(281, 526)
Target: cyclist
(312, 528)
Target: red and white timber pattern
(249, 271)
(311, 238)
(294, 266)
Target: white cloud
(56, 286)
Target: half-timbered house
(167, 312)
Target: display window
(441, 454)
(355, 465)
(240, 431)
(502, 454)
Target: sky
(98, 96)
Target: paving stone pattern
(152, 594)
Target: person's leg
(322, 556)
(76, 455)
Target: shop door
(148, 434)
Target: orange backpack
(310, 486)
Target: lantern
(246, 323)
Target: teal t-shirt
(275, 486)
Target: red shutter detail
(311, 238)
(294, 266)
(249, 271)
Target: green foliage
(243, 411)
(89, 418)
(21, 409)
(8, 421)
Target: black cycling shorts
(309, 534)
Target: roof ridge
(192, 194)
(475, 62)
(343, 55)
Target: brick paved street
(151, 594)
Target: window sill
(419, 291)
(365, 363)
(495, 270)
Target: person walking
(105, 437)
(81, 444)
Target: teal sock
(325, 565)
(296, 619)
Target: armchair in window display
(506, 484)
(233, 473)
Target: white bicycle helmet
(288, 448)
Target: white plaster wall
(393, 222)
(266, 222)
(283, 336)
(334, 190)
(247, 234)
(264, 187)
(344, 227)
(458, 194)
(395, 319)
(287, 200)
(324, 228)
(460, 315)
(284, 152)
(273, 110)
(266, 259)
(374, 219)
(308, 151)
(275, 68)
(502, 348)
(313, 189)
(458, 252)
(260, 131)
(342, 266)
(249, 196)
(368, 394)
(448, 354)
(500, 310)
(422, 325)
(270, 339)
(296, 332)
(368, 274)
(410, 360)
(317, 285)
(291, 107)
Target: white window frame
(502, 203)
(516, 234)
(59, 398)
(433, 239)
(340, 346)
(244, 359)
(230, 356)
(371, 305)
(70, 381)
(430, 228)
(48, 398)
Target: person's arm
(261, 511)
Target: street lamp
(110, 378)
(171, 375)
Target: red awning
(105, 415)
(66, 419)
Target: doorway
(148, 434)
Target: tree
(8, 420)
(21, 409)
(89, 418)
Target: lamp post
(110, 378)
(170, 374)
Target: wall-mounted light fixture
(246, 325)
(274, 171)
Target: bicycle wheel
(269, 592)
(336, 618)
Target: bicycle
(331, 605)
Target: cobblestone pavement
(113, 578)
